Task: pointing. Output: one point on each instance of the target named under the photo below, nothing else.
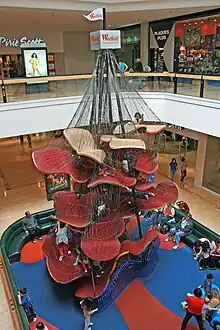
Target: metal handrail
(151, 77)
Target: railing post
(202, 85)
(175, 84)
(4, 97)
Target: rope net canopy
(110, 100)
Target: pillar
(144, 43)
(200, 160)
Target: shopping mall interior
(101, 135)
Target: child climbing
(62, 239)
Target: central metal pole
(104, 19)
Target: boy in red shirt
(194, 308)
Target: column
(200, 160)
(144, 42)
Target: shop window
(197, 46)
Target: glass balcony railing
(23, 89)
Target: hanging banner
(105, 39)
(95, 15)
(161, 32)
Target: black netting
(110, 100)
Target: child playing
(86, 306)
(197, 250)
(97, 268)
(81, 258)
(62, 240)
(209, 306)
(207, 285)
(25, 301)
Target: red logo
(94, 16)
(107, 37)
(95, 39)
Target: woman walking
(173, 168)
(183, 171)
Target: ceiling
(34, 19)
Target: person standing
(22, 151)
(207, 285)
(173, 168)
(183, 171)
(25, 301)
(88, 310)
(139, 68)
(194, 307)
(123, 66)
(29, 141)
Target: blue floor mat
(177, 274)
(55, 303)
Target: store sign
(179, 128)
(95, 15)
(18, 42)
(95, 40)
(161, 35)
(105, 39)
(161, 32)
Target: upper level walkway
(190, 101)
(73, 85)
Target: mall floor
(22, 188)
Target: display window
(197, 46)
(12, 66)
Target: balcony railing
(23, 89)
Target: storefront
(187, 44)
(11, 58)
(130, 49)
(162, 45)
(197, 46)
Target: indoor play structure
(109, 151)
(108, 156)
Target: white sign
(95, 15)
(35, 63)
(95, 40)
(162, 35)
(105, 39)
(18, 42)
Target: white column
(200, 160)
(144, 42)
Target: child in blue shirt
(173, 168)
(122, 66)
(25, 301)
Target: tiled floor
(24, 193)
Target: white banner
(105, 39)
(95, 15)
